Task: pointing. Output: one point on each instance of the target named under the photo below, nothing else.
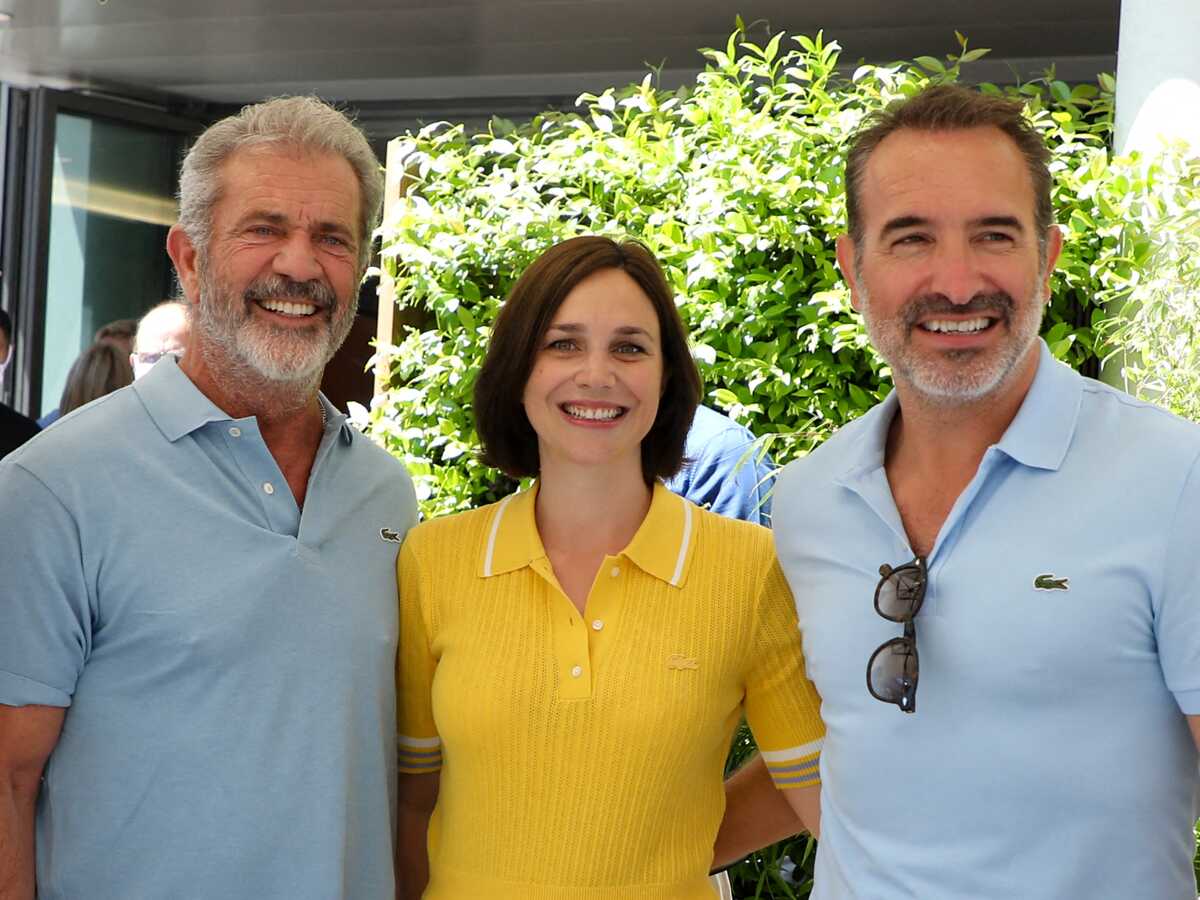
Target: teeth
(588, 412)
(288, 308)
(966, 325)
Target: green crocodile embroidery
(1050, 583)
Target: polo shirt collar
(1038, 435)
(661, 547)
(1044, 426)
(175, 404)
(178, 407)
(865, 453)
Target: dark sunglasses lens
(892, 672)
(899, 594)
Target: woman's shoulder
(723, 529)
(448, 533)
(726, 545)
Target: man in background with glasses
(996, 569)
(163, 331)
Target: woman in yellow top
(574, 659)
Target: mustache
(282, 288)
(998, 303)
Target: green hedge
(736, 184)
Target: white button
(577, 671)
(235, 431)
(268, 487)
(616, 570)
(597, 625)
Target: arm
(757, 813)
(27, 735)
(418, 749)
(777, 793)
(417, 796)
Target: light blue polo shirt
(1048, 757)
(227, 660)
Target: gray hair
(304, 123)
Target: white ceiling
(422, 56)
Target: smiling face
(277, 286)
(592, 394)
(950, 275)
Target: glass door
(103, 179)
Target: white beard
(957, 377)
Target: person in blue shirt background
(724, 471)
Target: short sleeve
(783, 708)
(1177, 610)
(419, 747)
(45, 606)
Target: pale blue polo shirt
(228, 661)
(1048, 757)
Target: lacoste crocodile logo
(388, 535)
(679, 661)
(1050, 583)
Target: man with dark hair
(1003, 548)
(198, 610)
(15, 429)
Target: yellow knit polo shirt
(582, 757)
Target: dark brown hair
(509, 441)
(951, 107)
(99, 370)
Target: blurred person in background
(100, 369)
(119, 333)
(723, 470)
(15, 429)
(161, 331)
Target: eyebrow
(576, 328)
(901, 222)
(999, 222)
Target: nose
(595, 370)
(297, 258)
(956, 273)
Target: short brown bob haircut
(509, 441)
(951, 107)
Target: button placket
(569, 640)
(243, 443)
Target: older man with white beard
(1002, 540)
(198, 614)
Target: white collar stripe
(683, 544)
(491, 544)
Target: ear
(1054, 241)
(183, 254)
(845, 256)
